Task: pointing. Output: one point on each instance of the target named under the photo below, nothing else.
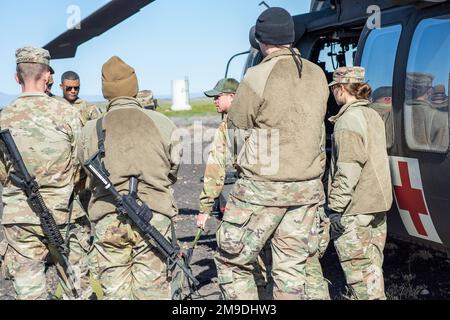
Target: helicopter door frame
(403, 17)
(433, 164)
(409, 17)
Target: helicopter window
(334, 55)
(427, 83)
(379, 60)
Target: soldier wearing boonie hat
(359, 191)
(346, 75)
(45, 132)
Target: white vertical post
(180, 95)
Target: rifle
(140, 214)
(22, 179)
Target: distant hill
(5, 98)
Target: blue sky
(167, 40)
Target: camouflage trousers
(127, 266)
(294, 238)
(26, 254)
(263, 273)
(360, 251)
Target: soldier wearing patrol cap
(428, 126)
(219, 157)
(145, 98)
(45, 132)
(359, 191)
(222, 155)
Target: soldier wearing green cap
(219, 157)
(222, 155)
(45, 132)
(359, 191)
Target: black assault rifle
(140, 214)
(22, 179)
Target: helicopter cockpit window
(427, 84)
(379, 60)
(334, 55)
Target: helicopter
(395, 41)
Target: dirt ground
(411, 272)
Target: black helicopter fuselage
(395, 40)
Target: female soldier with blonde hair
(359, 193)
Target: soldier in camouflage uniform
(138, 143)
(427, 128)
(222, 155)
(360, 191)
(146, 99)
(70, 85)
(45, 132)
(282, 103)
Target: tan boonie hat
(33, 55)
(145, 98)
(345, 75)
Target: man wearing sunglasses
(70, 85)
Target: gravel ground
(411, 272)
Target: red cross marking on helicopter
(410, 199)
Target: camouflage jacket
(45, 132)
(219, 158)
(360, 180)
(139, 143)
(88, 111)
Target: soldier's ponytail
(359, 90)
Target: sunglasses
(74, 88)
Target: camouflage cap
(415, 80)
(227, 85)
(33, 55)
(345, 75)
(145, 98)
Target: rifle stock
(139, 214)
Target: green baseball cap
(227, 85)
